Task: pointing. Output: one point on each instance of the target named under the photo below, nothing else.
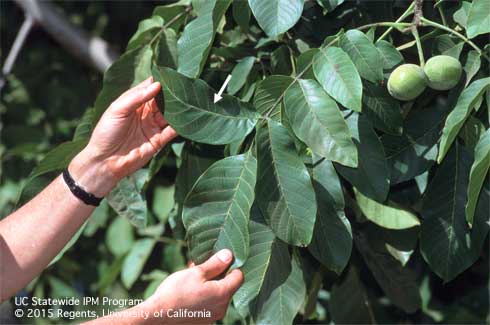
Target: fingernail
(225, 255)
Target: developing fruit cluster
(408, 81)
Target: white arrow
(217, 97)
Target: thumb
(216, 264)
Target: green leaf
(460, 113)
(371, 177)
(461, 15)
(339, 77)
(198, 35)
(239, 74)
(97, 220)
(398, 283)
(276, 16)
(332, 237)
(189, 109)
(147, 29)
(400, 244)
(364, 54)
(349, 301)
(241, 14)
(389, 54)
(58, 158)
(281, 61)
(128, 201)
(478, 174)
(472, 65)
(382, 109)
(446, 242)
(195, 160)
(446, 45)
(84, 126)
(316, 120)
(471, 132)
(385, 216)
(478, 18)
(330, 5)
(163, 201)
(169, 12)
(117, 80)
(415, 151)
(217, 209)
(269, 93)
(166, 50)
(119, 236)
(285, 296)
(60, 289)
(284, 190)
(304, 63)
(268, 260)
(135, 261)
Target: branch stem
(407, 13)
(170, 22)
(299, 75)
(420, 51)
(427, 22)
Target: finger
(164, 137)
(130, 101)
(145, 83)
(216, 264)
(231, 282)
(158, 117)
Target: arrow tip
(217, 98)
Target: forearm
(33, 235)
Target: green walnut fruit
(443, 72)
(407, 82)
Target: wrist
(155, 312)
(92, 173)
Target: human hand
(197, 288)
(129, 133)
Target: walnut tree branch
(90, 49)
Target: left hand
(129, 133)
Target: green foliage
(336, 198)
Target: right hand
(197, 288)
